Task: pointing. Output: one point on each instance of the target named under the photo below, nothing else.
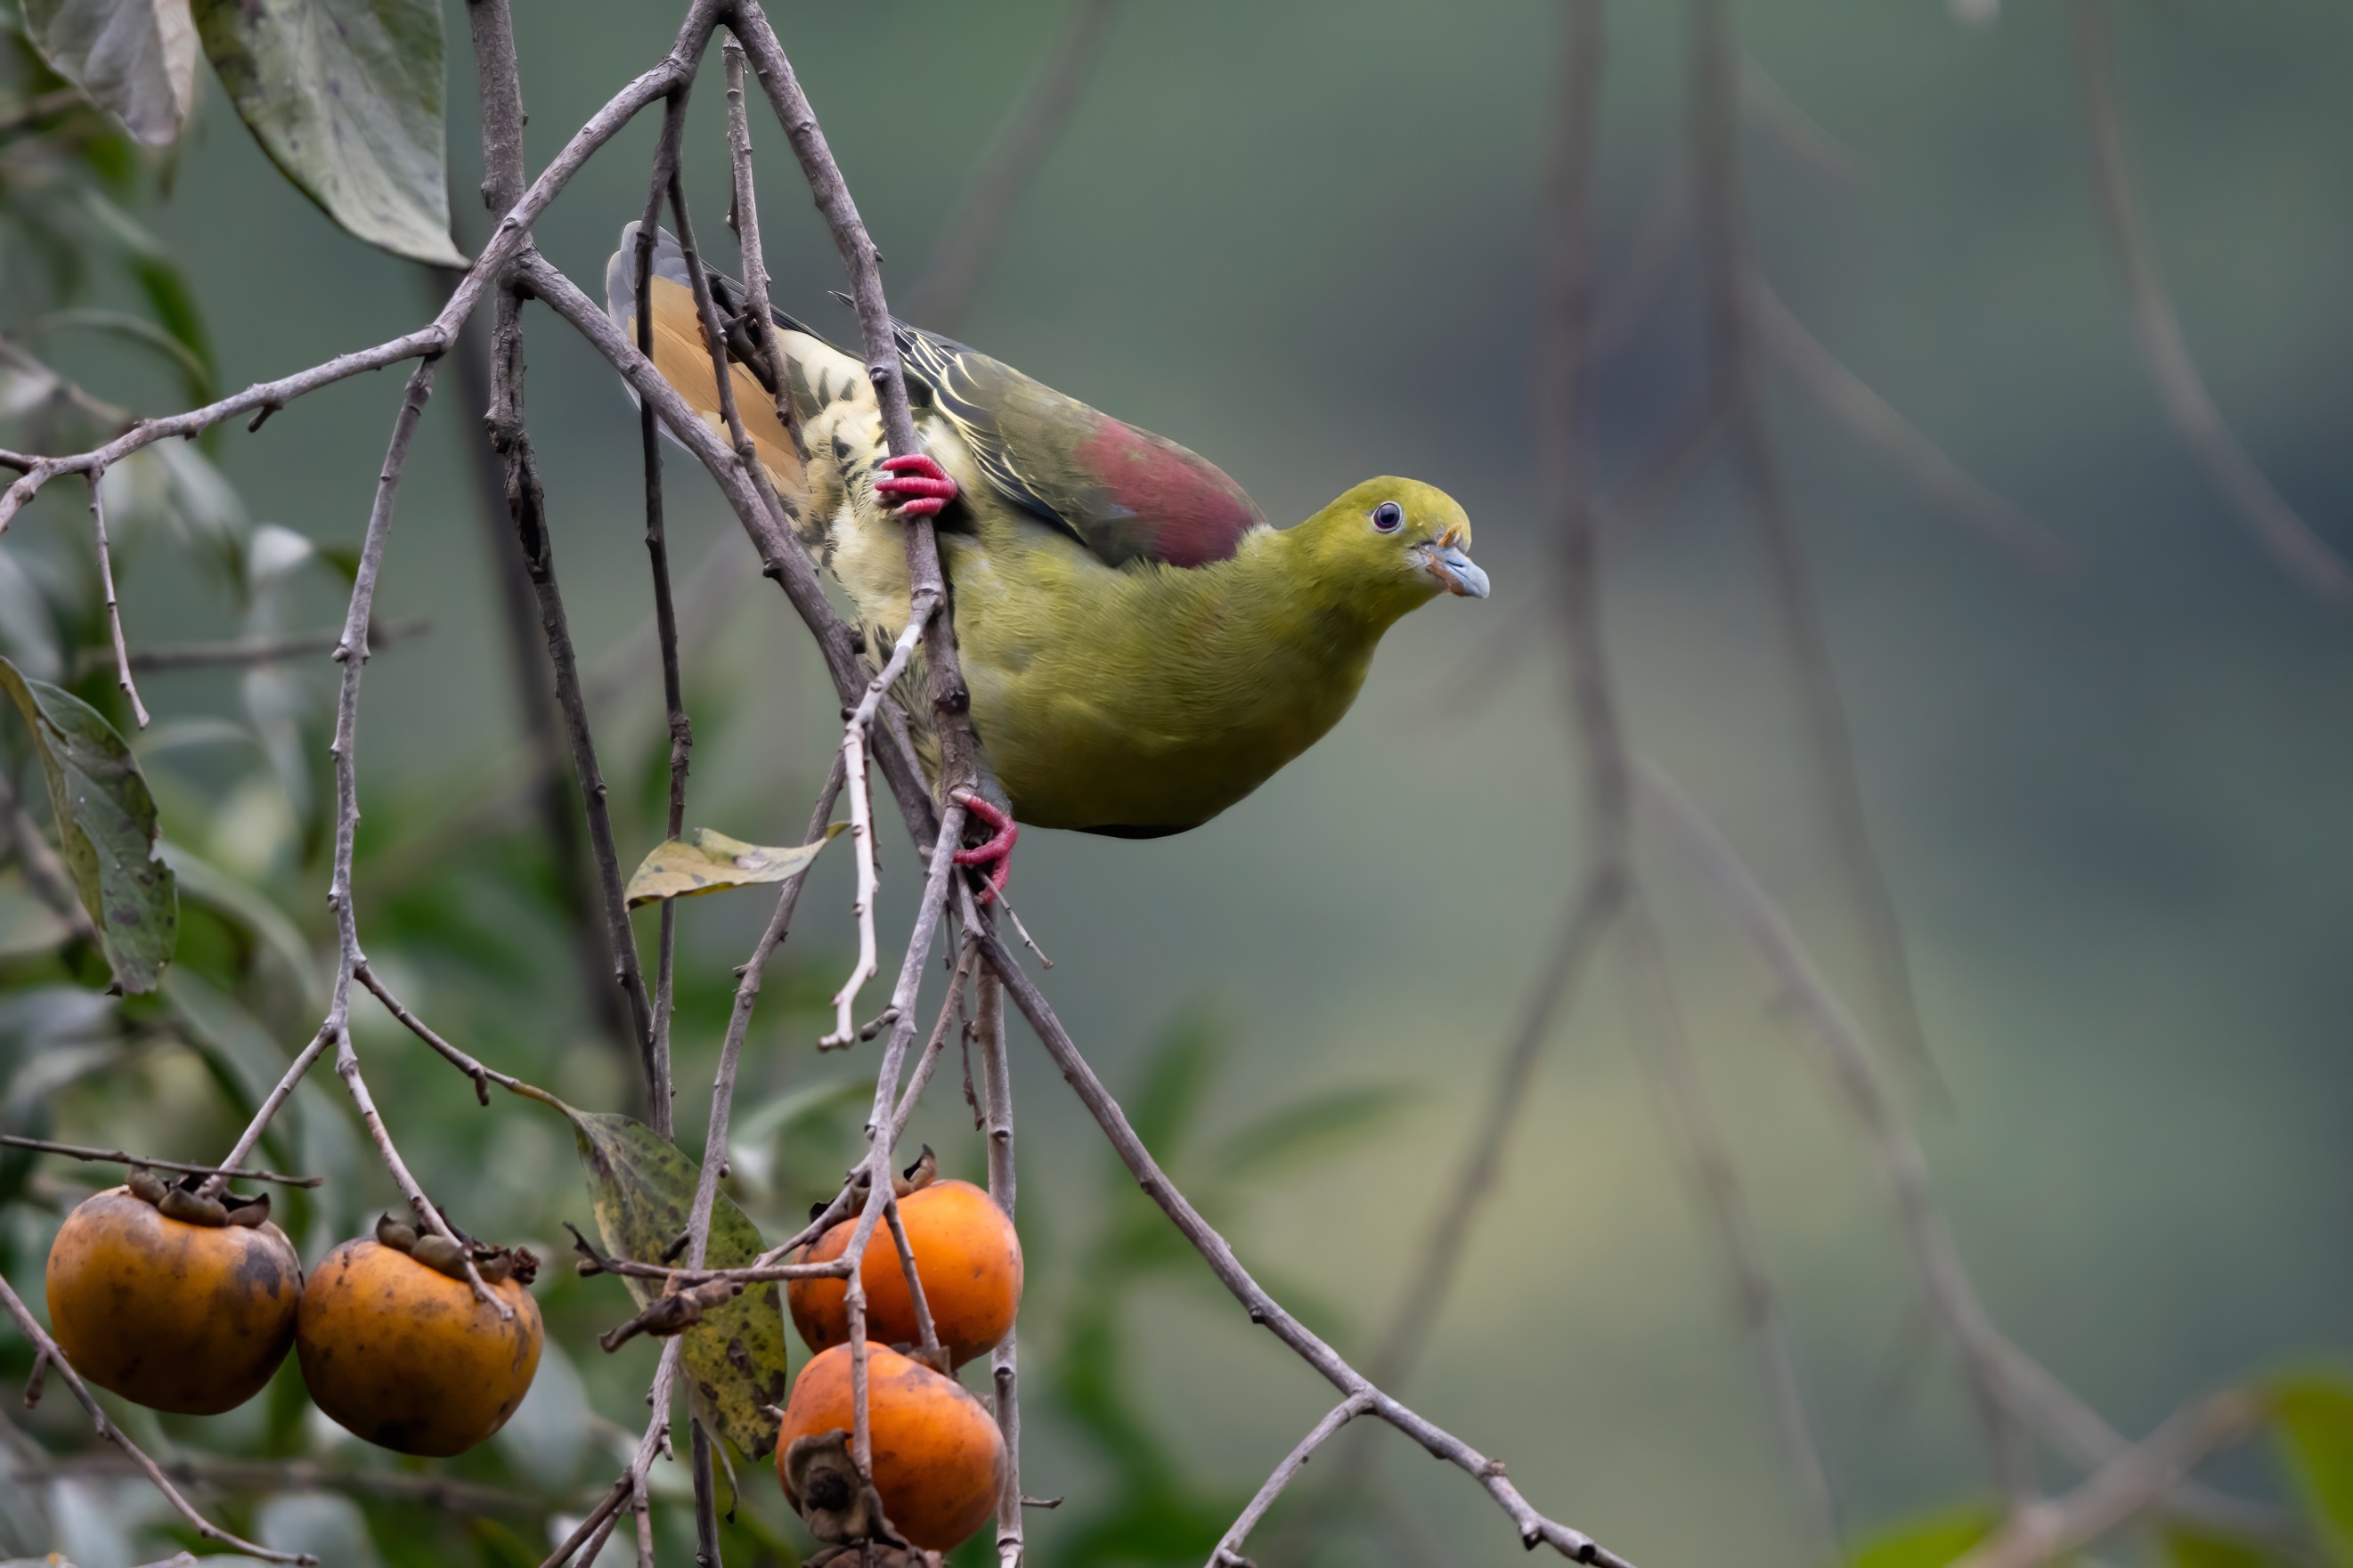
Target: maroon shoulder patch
(1165, 503)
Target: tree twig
(1534, 1528)
(2131, 1484)
(237, 652)
(1944, 1280)
(1005, 1361)
(969, 237)
(113, 608)
(46, 1353)
(1667, 1051)
(1713, 89)
(862, 820)
(120, 1157)
(1229, 1551)
(2172, 370)
(1852, 401)
(509, 240)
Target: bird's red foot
(998, 852)
(917, 486)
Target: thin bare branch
(1534, 1528)
(509, 240)
(44, 868)
(1851, 400)
(1667, 1052)
(483, 1076)
(959, 769)
(46, 1353)
(2172, 371)
(1787, 120)
(1229, 1551)
(1005, 1361)
(113, 609)
(1944, 1280)
(747, 241)
(969, 237)
(1716, 167)
(2134, 1483)
(302, 1474)
(278, 1093)
(862, 821)
(739, 1024)
(935, 1045)
(120, 1157)
(238, 652)
(630, 1490)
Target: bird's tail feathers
(682, 357)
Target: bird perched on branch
(1141, 648)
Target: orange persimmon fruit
(188, 1316)
(403, 1355)
(939, 1459)
(966, 1255)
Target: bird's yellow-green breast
(1142, 650)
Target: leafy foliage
(106, 824)
(135, 58)
(2314, 1417)
(345, 95)
(642, 1186)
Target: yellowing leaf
(642, 1187)
(709, 862)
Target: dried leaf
(134, 58)
(709, 862)
(106, 824)
(345, 95)
(642, 1187)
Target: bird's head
(1391, 545)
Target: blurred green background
(1302, 239)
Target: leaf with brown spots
(708, 862)
(105, 826)
(642, 1187)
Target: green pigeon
(1141, 647)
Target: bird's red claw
(917, 487)
(998, 852)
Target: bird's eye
(1389, 517)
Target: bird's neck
(1322, 591)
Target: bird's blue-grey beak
(1454, 570)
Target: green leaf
(207, 885)
(642, 1187)
(27, 926)
(1295, 1134)
(1176, 1078)
(134, 58)
(752, 1139)
(345, 95)
(1929, 1543)
(2189, 1546)
(196, 375)
(2313, 1413)
(705, 861)
(244, 1058)
(106, 824)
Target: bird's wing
(1125, 494)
